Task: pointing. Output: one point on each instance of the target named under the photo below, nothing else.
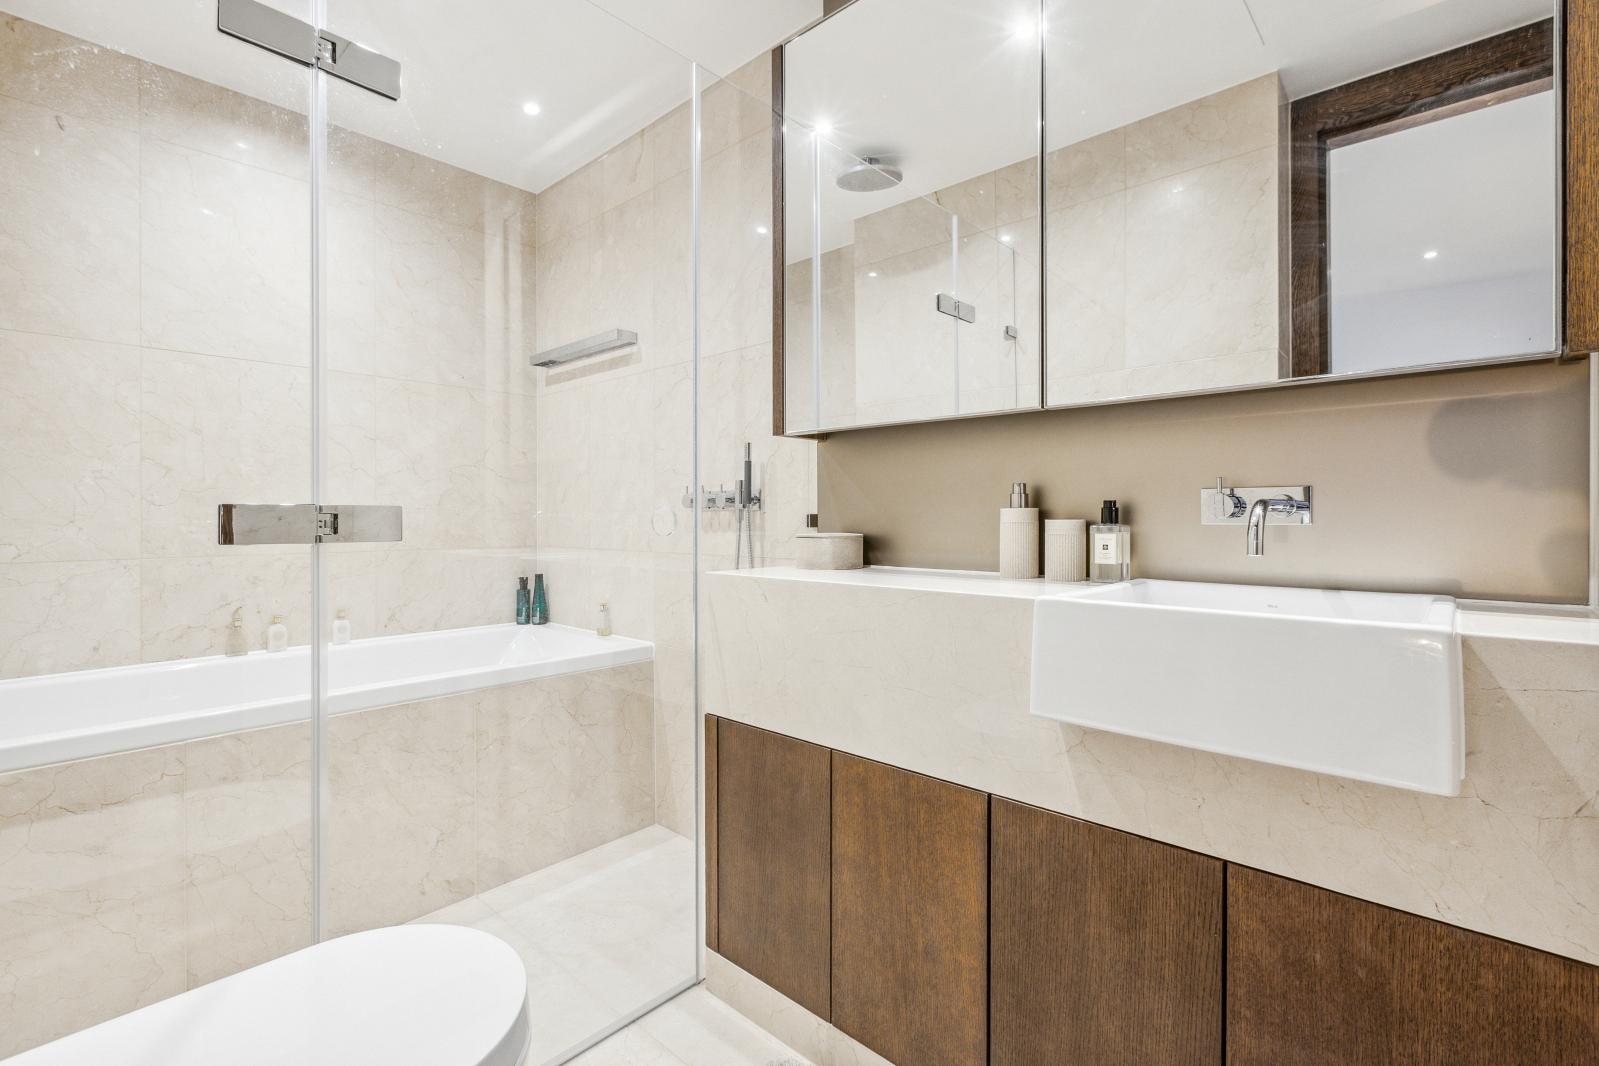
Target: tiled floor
(605, 933)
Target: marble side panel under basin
(938, 682)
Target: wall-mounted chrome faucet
(1254, 509)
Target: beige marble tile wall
(1163, 272)
(128, 878)
(615, 436)
(154, 337)
(938, 683)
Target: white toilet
(412, 995)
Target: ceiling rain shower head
(871, 174)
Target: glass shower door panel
(155, 349)
(512, 207)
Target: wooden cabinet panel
(1582, 175)
(1106, 947)
(772, 801)
(1318, 977)
(710, 830)
(910, 914)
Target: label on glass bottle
(1108, 549)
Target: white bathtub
(57, 717)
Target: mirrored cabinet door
(1245, 193)
(910, 214)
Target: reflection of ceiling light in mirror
(1431, 253)
(871, 273)
(761, 230)
(531, 108)
(823, 128)
(1005, 239)
(1024, 29)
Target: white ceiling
(467, 67)
(945, 88)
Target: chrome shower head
(871, 174)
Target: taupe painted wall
(1472, 482)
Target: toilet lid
(411, 995)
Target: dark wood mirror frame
(1473, 74)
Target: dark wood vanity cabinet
(1582, 175)
(1107, 947)
(941, 926)
(910, 914)
(773, 796)
(1315, 977)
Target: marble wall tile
(417, 591)
(564, 764)
(1087, 170)
(187, 604)
(431, 444)
(225, 257)
(575, 199)
(196, 114)
(63, 73)
(350, 282)
(1516, 855)
(1214, 291)
(92, 893)
(617, 457)
(671, 255)
(669, 140)
(735, 256)
(247, 812)
(399, 812)
(215, 430)
(1229, 123)
(69, 236)
(56, 617)
(69, 471)
(430, 298)
(419, 185)
(738, 107)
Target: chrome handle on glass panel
(305, 523)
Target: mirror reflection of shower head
(871, 174)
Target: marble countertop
(1477, 618)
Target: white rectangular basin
(1365, 685)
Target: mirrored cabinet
(986, 208)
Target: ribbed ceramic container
(1018, 542)
(1065, 549)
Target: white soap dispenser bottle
(1018, 536)
(277, 634)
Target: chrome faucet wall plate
(1220, 506)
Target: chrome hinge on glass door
(302, 42)
(304, 523)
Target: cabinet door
(772, 800)
(711, 724)
(1318, 977)
(1107, 947)
(910, 914)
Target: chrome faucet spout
(1255, 536)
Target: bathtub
(58, 717)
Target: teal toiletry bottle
(524, 603)
(541, 602)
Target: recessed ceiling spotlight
(824, 128)
(1431, 253)
(531, 108)
(761, 230)
(871, 273)
(1024, 29)
(1005, 238)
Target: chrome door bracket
(948, 305)
(304, 523)
(269, 28)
